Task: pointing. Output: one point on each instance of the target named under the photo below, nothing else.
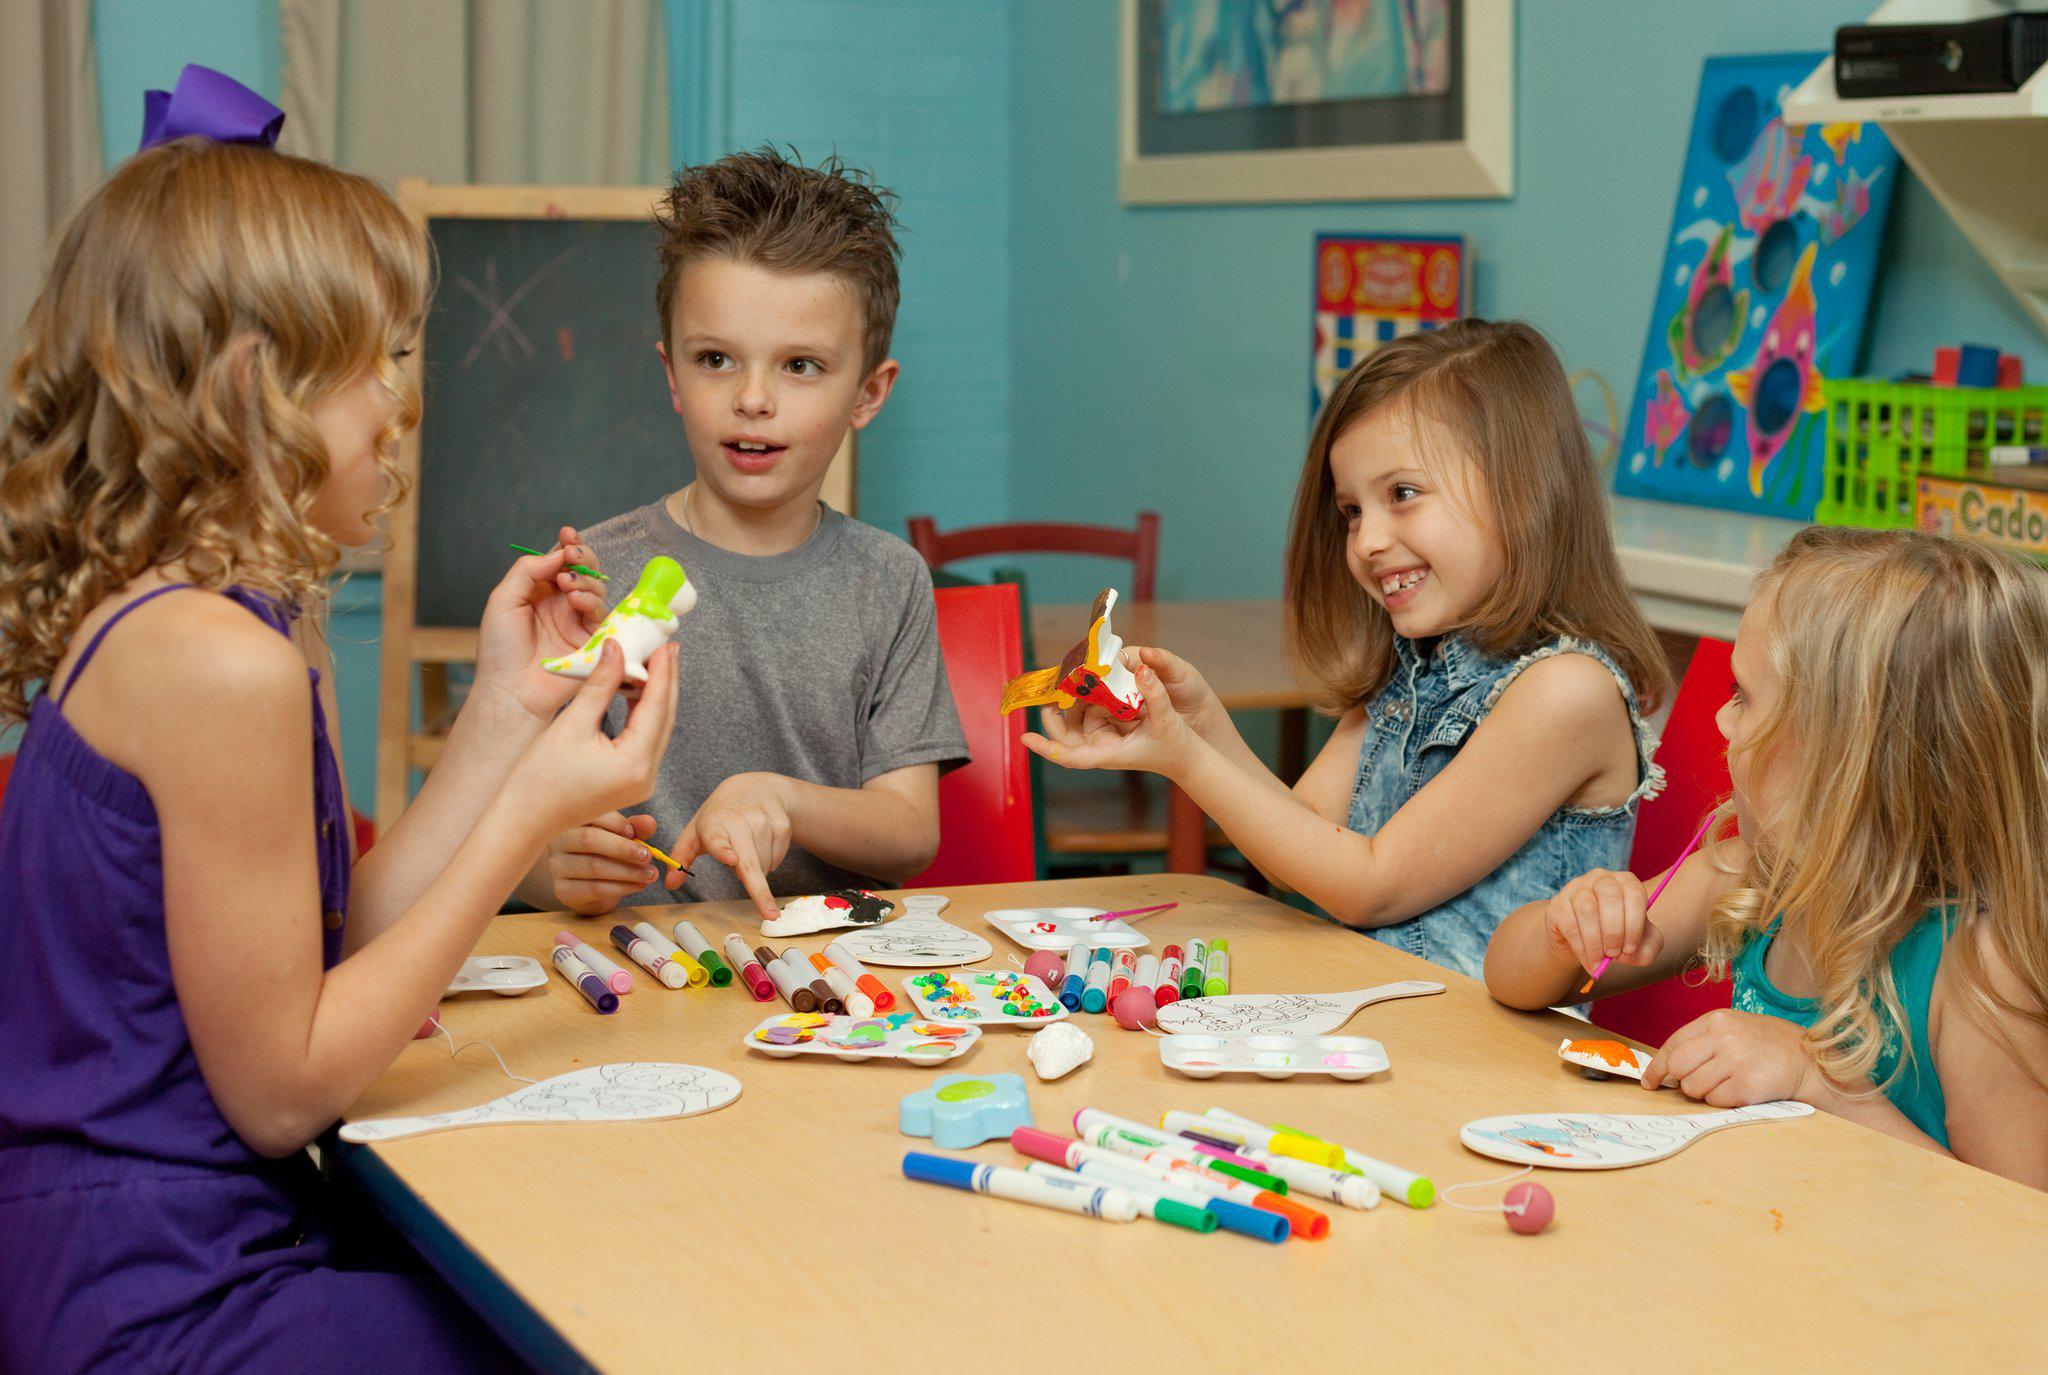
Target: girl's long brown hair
(1911, 727)
(198, 306)
(1499, 393)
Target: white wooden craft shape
(1607, 1141)
(629, 1091)
(1304, 1014)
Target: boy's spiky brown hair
(765, 208)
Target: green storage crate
(1884, 435)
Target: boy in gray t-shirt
(813, 713)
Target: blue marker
(1076, 979)
(1095, 996)
(1068, 1195)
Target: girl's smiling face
(1420, 537)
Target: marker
(864, 981)
(1152, 1202)
(1394, 1182)
(615, 978)
(1191, 973)
(1216, 971)
(583, 981)
(1181, 1209)
(800, 966)
(700, 950)
(1123, 971)
(856, 1002)
(1231, 1127)
(1088, 1200)
(1126, 1137)
(1148, 973)
(1095, 996)
(572, 567)
(1304, 1222)
(794, 990)
(693, 973)
(1316, 1181)
(1076, 981)
(1169, 977)
(752, 973)
(642, 952)
(1188, 1187)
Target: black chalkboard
(545, 402)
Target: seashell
(1059, 1049)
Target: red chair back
(1140, 546)
(6, 768)
(985, 805)
(1695, 761)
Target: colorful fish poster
(1370, 289)
(1765, 288)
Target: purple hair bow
(212, 105)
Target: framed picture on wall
(1335, 100)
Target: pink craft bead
(1135, 1009)
(1529, 1208)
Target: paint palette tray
(895, 1036)
(1272, 1055)
(506, 974)
(1061, 928)
(984, 997)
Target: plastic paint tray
(1061, 928)
(506, 974)
(1272, 1055)
(904, 1036)
(985, 1009)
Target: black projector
(1996, 54)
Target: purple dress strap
(92, 646)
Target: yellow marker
(699, 975)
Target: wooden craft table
(779, 1234)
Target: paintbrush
(1132, 912)
(1658, 892)
(573, 568)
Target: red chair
(1695, 761)
(985, 805)
(6, 768)
(1140, 546)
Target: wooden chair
(1695, 761)
(985, 832)
(1103, 821)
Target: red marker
(1122, 973)
(1169, 977)
(751, 973)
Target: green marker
(1196, 969)
(573, 568)
(1216, 971)
(1396, 1183)
(699, 949)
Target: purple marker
(583, 981)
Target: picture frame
(1458, 145)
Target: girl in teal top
(1881, 902)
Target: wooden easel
(406, 645)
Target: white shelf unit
(1985, 157)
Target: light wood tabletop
(778, 1233)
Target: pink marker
(1122, 972)
(615, 978)
(1169, 976)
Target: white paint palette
(1299, 1014)
(985, 997)
(896, 1036)
(1061, 928)
(917, 939)
(507, 974)
(631, 1091)
(1601, 1056)
(1606, 1141)
(1272, 1056)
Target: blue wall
(142, 45)
(917, 92)
(1160, 354)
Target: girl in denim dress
(1453, 593)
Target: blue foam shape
(955, 1121)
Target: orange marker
(864, 981)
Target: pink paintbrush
(1657, 892)
(1132, 912)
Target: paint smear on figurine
(1092, 672)
(1610, 1052)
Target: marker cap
(1307, 1223)
(1041, 1145)
(1251, 1222)
(938, 1169)
(1182, 1215)
(720, 972)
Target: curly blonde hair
(197, 307)
(1913, 694)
